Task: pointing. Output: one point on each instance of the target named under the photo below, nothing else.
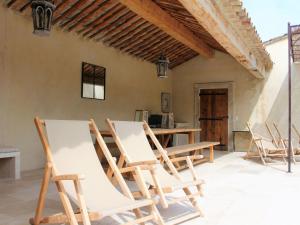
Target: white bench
(9, 162)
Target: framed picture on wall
(165, 102)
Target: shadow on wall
(279, 110)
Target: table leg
(211, 153)
(233, 140)
(191, 137)
(166, 141)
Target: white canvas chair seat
(74, 153)
(70, 151)
(135, 149)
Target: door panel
(214, 116)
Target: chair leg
(142, 186)
(138, 213)
(42, 196)
(66, 203)
(159, 190)
(158, 219)
(82, 204)
(193, 200)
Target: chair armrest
(74, 177)
(143, 163)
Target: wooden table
(166, 134)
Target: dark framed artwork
(93, 81)
(165, 102)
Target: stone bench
(9, 162)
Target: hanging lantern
(42, 13)
(162, 66)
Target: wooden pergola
(182, 29)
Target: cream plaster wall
(255, 100)
(41, 76)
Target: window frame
(82, 78)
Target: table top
(161, 131)
(236, 131)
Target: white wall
(42, 76)
(255, 100)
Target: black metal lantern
(162, 66)
(42, 13)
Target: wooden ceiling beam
(141, 39)
(111, 24)
(61, 7)
(153, 43)
(182, 59)
(127, 24)
(136, 26)
(211, 18)
(99, 10)
(70, 11)
(129, 36)
(169, 51)
(88, 9)
(129, 41)
(151, 12)
(26, 6)
(103, 19)
(170, 45)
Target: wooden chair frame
(261, 151)
(284, 142)
(69, 216)
(150, 165)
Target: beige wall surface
(254, 100)
(42, 76)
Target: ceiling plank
(70, 11)
(98, 10)
(211, 19)
(126, 32)
(157, 16)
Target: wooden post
(289, 98)
(211, 153)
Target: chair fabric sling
(137, 147)
(73, 153)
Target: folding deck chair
(285, 142)
(72, 164)
(296, 132)
(266, 149)
(135, 149)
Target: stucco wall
(254, 100)
(42, 76)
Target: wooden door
(214, 116)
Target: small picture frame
(165, 102)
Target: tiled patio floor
(237, 192)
